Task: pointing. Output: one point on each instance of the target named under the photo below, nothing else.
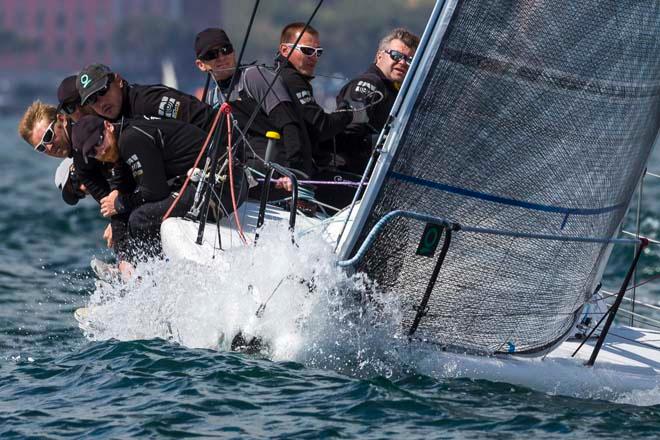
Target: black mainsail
(529, 116)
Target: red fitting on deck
(225, 108)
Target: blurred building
(63, 35)
(41, 41)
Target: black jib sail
(534, 117)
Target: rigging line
(199, 157)
(227, 215)
(642, 343)
(632, 234)
(650, 322)
(652, 174)
(637, 227)
(646, 281)
(344, 110)
(206, 86)
(612, 294)
(262, 307)
(218, 236)
(232, 83)
(326, 182)
(487, 315)
(241, 136)
(269, 67)
(277, 72)
(230, 166)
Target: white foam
(205, 306)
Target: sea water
(153, 360)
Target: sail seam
(540, 75)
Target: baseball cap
(67, 93)
(92, 79)
(65, 175)
(86, 134)
(209, 39)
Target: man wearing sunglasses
(69, 100)
(376, 88)
(112, 98)
(298, 54)
(49, 132)
(158, 154)
(297, 74)
(251, 93)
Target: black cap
(92, 79)
(209, 39)
(86, 134)
(67, 92)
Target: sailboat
(496, 193)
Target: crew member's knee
(142, 220)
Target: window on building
(19, 19)
(60, 20)
(39, 19)
(60, 46)
(101, 47)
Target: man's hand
(108, 204)
(284, 183)
(107, 235)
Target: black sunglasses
(91, 99)
(398, 56)
(47, 138)
(215, 53)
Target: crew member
(321, 127)
(69, 100)
(49, 132)
(159, 153)
(90, 173)
(112, 98)
(214, 53)
(377, 89)
(297, 74)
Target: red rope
(226, 108)
(199, 157)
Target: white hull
(629, 359)
(179, 236)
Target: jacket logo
(168, 108)
(136, 166)
(365, 87)
(305, 97)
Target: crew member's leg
(144, 222)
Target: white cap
(62, 173)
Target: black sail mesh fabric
(536, 117)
